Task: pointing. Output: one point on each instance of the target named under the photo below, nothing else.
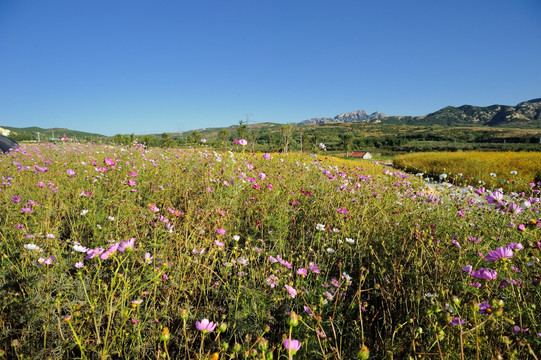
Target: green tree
(223, 138)
(242, 130)
(346, 140)
(286, 131)
(167, 141)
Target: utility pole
(38, 137)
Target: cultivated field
(135, 253)
(513, 171)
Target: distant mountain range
(524, 115)
(355, 116)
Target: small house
(361, 155)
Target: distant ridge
(526, 114)
(354, 116)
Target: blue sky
(167, 66)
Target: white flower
(80, 248)
(443, 177)
(84, 212)
(236, 237)
(492, 174)
(350, 241)
(514, 172)
(320, 227)
(111, 218)
(322, 146)
(32, 247)
(331, 250)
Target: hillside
(524, 115)
(31, 133)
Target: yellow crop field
(515, 171)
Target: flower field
(135, 253)
(513, 171)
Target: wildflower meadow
(126, 252)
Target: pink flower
(125, 245)
(112, 249)
(500, 253)
(292, 292)
(220, 231)
(205, 326)
(203, 140)
(302, 272)
(109, 161)
(266, 156)
(292, 345)
(16, 199)
(70, 172)
(243, 142)
(94, 252)
(272, 259)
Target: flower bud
(165, 336)
(225, 346)
(293, 319)
(183, 314)
(364, 353)
(236, 347)
(263, 344)
(222, 327)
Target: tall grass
(128, 252)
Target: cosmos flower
(320, 227)
(500, 253)
(486, 274)
(243, 142)
(205, 326)
(292, 345)
(32, 247)
(266, 156)
(292, 292)
(125, 245)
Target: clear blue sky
(132, 66)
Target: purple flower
(486, 274)
(313, 268)
(457, 321)
(266, 156)
(272, 259)
(456, 243)
(467, 268)
(495, 197)
(79, 265)
(16, 199)
(308, 311)
(205, 326)
(292, 345)
(515, 246)
(499, 253)
(521, 227)
(485, 308)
